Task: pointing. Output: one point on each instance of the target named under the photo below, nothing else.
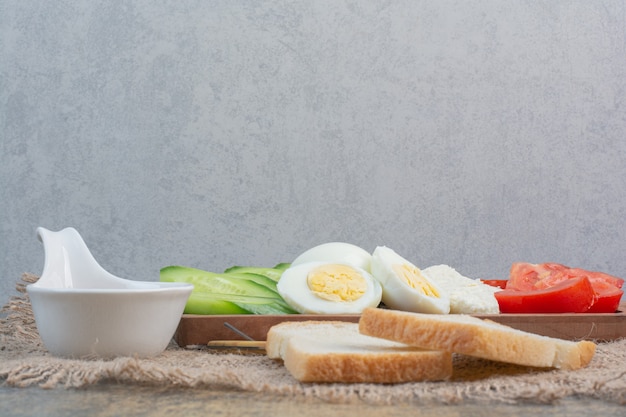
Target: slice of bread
(459, 333)
(334, 351)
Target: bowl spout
(69, 263)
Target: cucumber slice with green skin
(213, 282)
(199, 304)
(274, 308)
(256, 278)
(271, 273)
(282, 266)
(233, 293)
(205, 304)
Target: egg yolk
(336, 283)
(414, 278)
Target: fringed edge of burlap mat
(24, 362)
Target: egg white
(293, 287)
(336, 252)
(397, 293)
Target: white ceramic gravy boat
(81, 310)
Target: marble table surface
(123, 400)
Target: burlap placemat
(24, 362)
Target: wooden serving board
(199, 329)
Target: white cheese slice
(467, 295)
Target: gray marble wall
(215, 133)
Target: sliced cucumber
(199, 304)
(272, 308)
(228, 293)
(271, 273)
(225, 284)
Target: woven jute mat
(24, 362)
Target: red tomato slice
(605, 287)
(607, 297)
(555, 277)
(524, 276)
(574, 295)
(528, 277)
(598, 276)
(499, 283)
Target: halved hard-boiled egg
(328, 288)
(336, 252)
(405, 287)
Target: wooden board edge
(199, 330)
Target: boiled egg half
(336, 252)
(404, 285)
(328, 288)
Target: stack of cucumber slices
(237, 290)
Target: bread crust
(469, 335)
